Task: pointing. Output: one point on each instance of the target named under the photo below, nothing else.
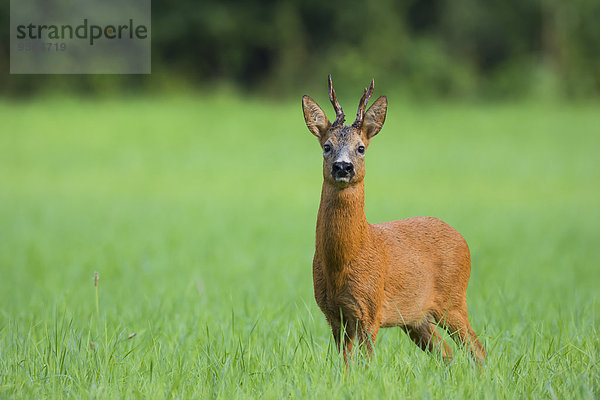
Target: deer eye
(361, 149)
(326, 148)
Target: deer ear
(315, 118)
(375, 117)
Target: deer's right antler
(339, 113)
(363, 104)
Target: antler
(363, 104)
(339, 113)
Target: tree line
(441, 48)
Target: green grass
(199, 216)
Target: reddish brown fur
(412, 273)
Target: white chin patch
(342, 179)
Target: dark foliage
(449, 48)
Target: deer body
(412, 273)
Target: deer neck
(342, 228)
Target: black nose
(342, 169)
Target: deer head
(344, 146)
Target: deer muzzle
(342, 171)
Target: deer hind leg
(428, 338)
(459, 328)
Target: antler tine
(339, 113)
(363, 104)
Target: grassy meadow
(198, 214)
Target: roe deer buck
(412, 273)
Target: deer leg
(459, 328)
(343, 335)
(428, 338)
(350, 329)
(336, 330)
(367, 337)
(348, 346)
(439, 344)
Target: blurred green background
(428, 48)
(193, 192)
